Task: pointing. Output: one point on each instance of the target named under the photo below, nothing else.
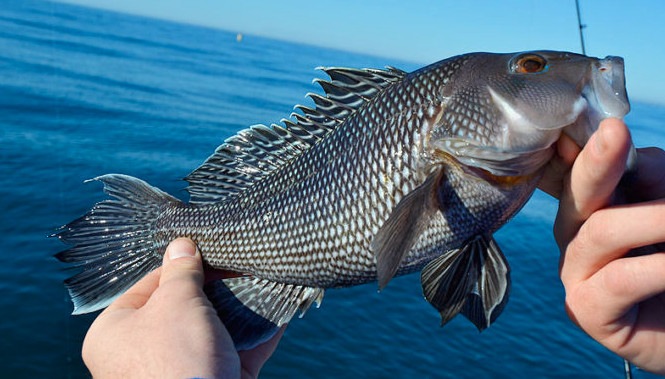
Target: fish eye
(529, 64)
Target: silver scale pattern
(310, 222)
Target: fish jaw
(605, 96)
(610, 87)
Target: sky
(423, 31)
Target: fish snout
(609, 84)
(610, 87)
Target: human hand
(618, 299)
(164, 326)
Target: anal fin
(254, 309)
(473, 280)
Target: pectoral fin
(473, 280)
(400, 232)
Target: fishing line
(626, 364)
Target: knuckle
(182, 271)
(619, 283)
(595, 232)
(85, 352)
(582, 305)
(572, 307)
(89, 347)
(185, 264)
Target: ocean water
(85, 92)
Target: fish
(388, 173)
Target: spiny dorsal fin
(255, 152)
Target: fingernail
(599, 141)
(181, 248)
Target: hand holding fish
(617, 297)
(164, 326)
(390, 173)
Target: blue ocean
(86, 92)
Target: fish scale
(388, 174)
(225, 246)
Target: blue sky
(426, 31)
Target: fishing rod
(580, 25)
(626, 363)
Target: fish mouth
(609, 84)
(605, 96)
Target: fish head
(504, 112)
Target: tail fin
(113, 242)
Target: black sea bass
(390, 173)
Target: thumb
(182, 261)
(593, 178)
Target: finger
(618, 287)
(558, 166)
(253, 360)
(606, 236)
(650, 181)
(593, 178)
(182, 263)
(138, 294)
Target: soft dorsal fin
(257, 151)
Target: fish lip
(606, 96)
(608, 82)
(604, 93)
(615, 102)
